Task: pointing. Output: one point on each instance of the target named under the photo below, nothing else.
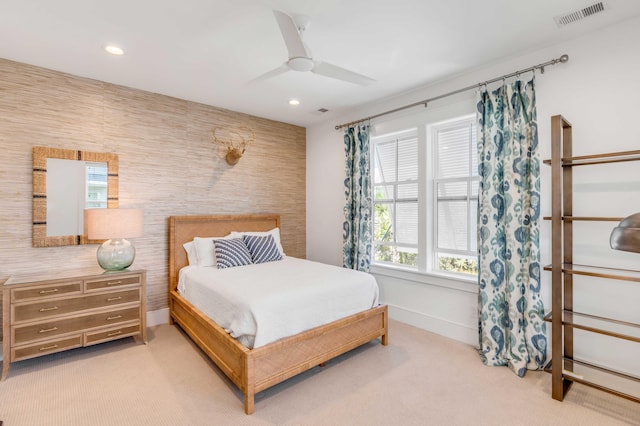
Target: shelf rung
(612, 157)
(598, 271)
(600, 325)
(587, 218)
(588, 374)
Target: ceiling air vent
(319, 111)
(578, 15)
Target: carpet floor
(420, 378)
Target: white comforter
(259, 304)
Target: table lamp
(114, 225)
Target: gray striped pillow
(262, 248)
(231, 252)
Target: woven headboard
(183, 229)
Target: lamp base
(116, 254)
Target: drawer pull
(46, 348)
(48, 309)
(114, 333)
(46, 330)
(114, 318)
(111, 299)
(114, 282)
(53, 290)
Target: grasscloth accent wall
(168, 165)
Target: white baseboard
(158, 317)
(444, 327)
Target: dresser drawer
(46, 309)
(52, 328)
(46, 291)
(111, 282)
(111, 333)
(48, 347)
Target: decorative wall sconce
(626, 236)
(236, 142)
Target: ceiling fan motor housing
(301, 64)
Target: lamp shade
(626, 236)
(104, 224)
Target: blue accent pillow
(262, 248)
(231, 252)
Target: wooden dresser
(48, 313)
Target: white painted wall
(597, 91)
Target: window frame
(395, 137)
(452, 110)
(436, 250)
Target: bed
(254, 370)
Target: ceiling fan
(300, 57)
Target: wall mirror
(65, 182)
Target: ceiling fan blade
(334, 71)
(270, 74)
(291, 35)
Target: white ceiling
(208, 50)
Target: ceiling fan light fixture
(301, 64)
(294, 102)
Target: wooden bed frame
(254, 370)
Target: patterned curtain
(510, 311)
(358, 208)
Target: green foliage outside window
(406, 258)
(391, 254)
(456, 264)
(383, 232)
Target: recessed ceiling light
(294, 102)
(114, 50)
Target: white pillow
(206, 251)
(275, 232)
(192, 255)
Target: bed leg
(248, 403)
(171, 320)
(385, 340)
(385, 324)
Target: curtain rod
(564, 58)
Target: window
(395, 189)
(456, 184)
(425, 209)
(96, 188)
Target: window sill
(452, 281)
